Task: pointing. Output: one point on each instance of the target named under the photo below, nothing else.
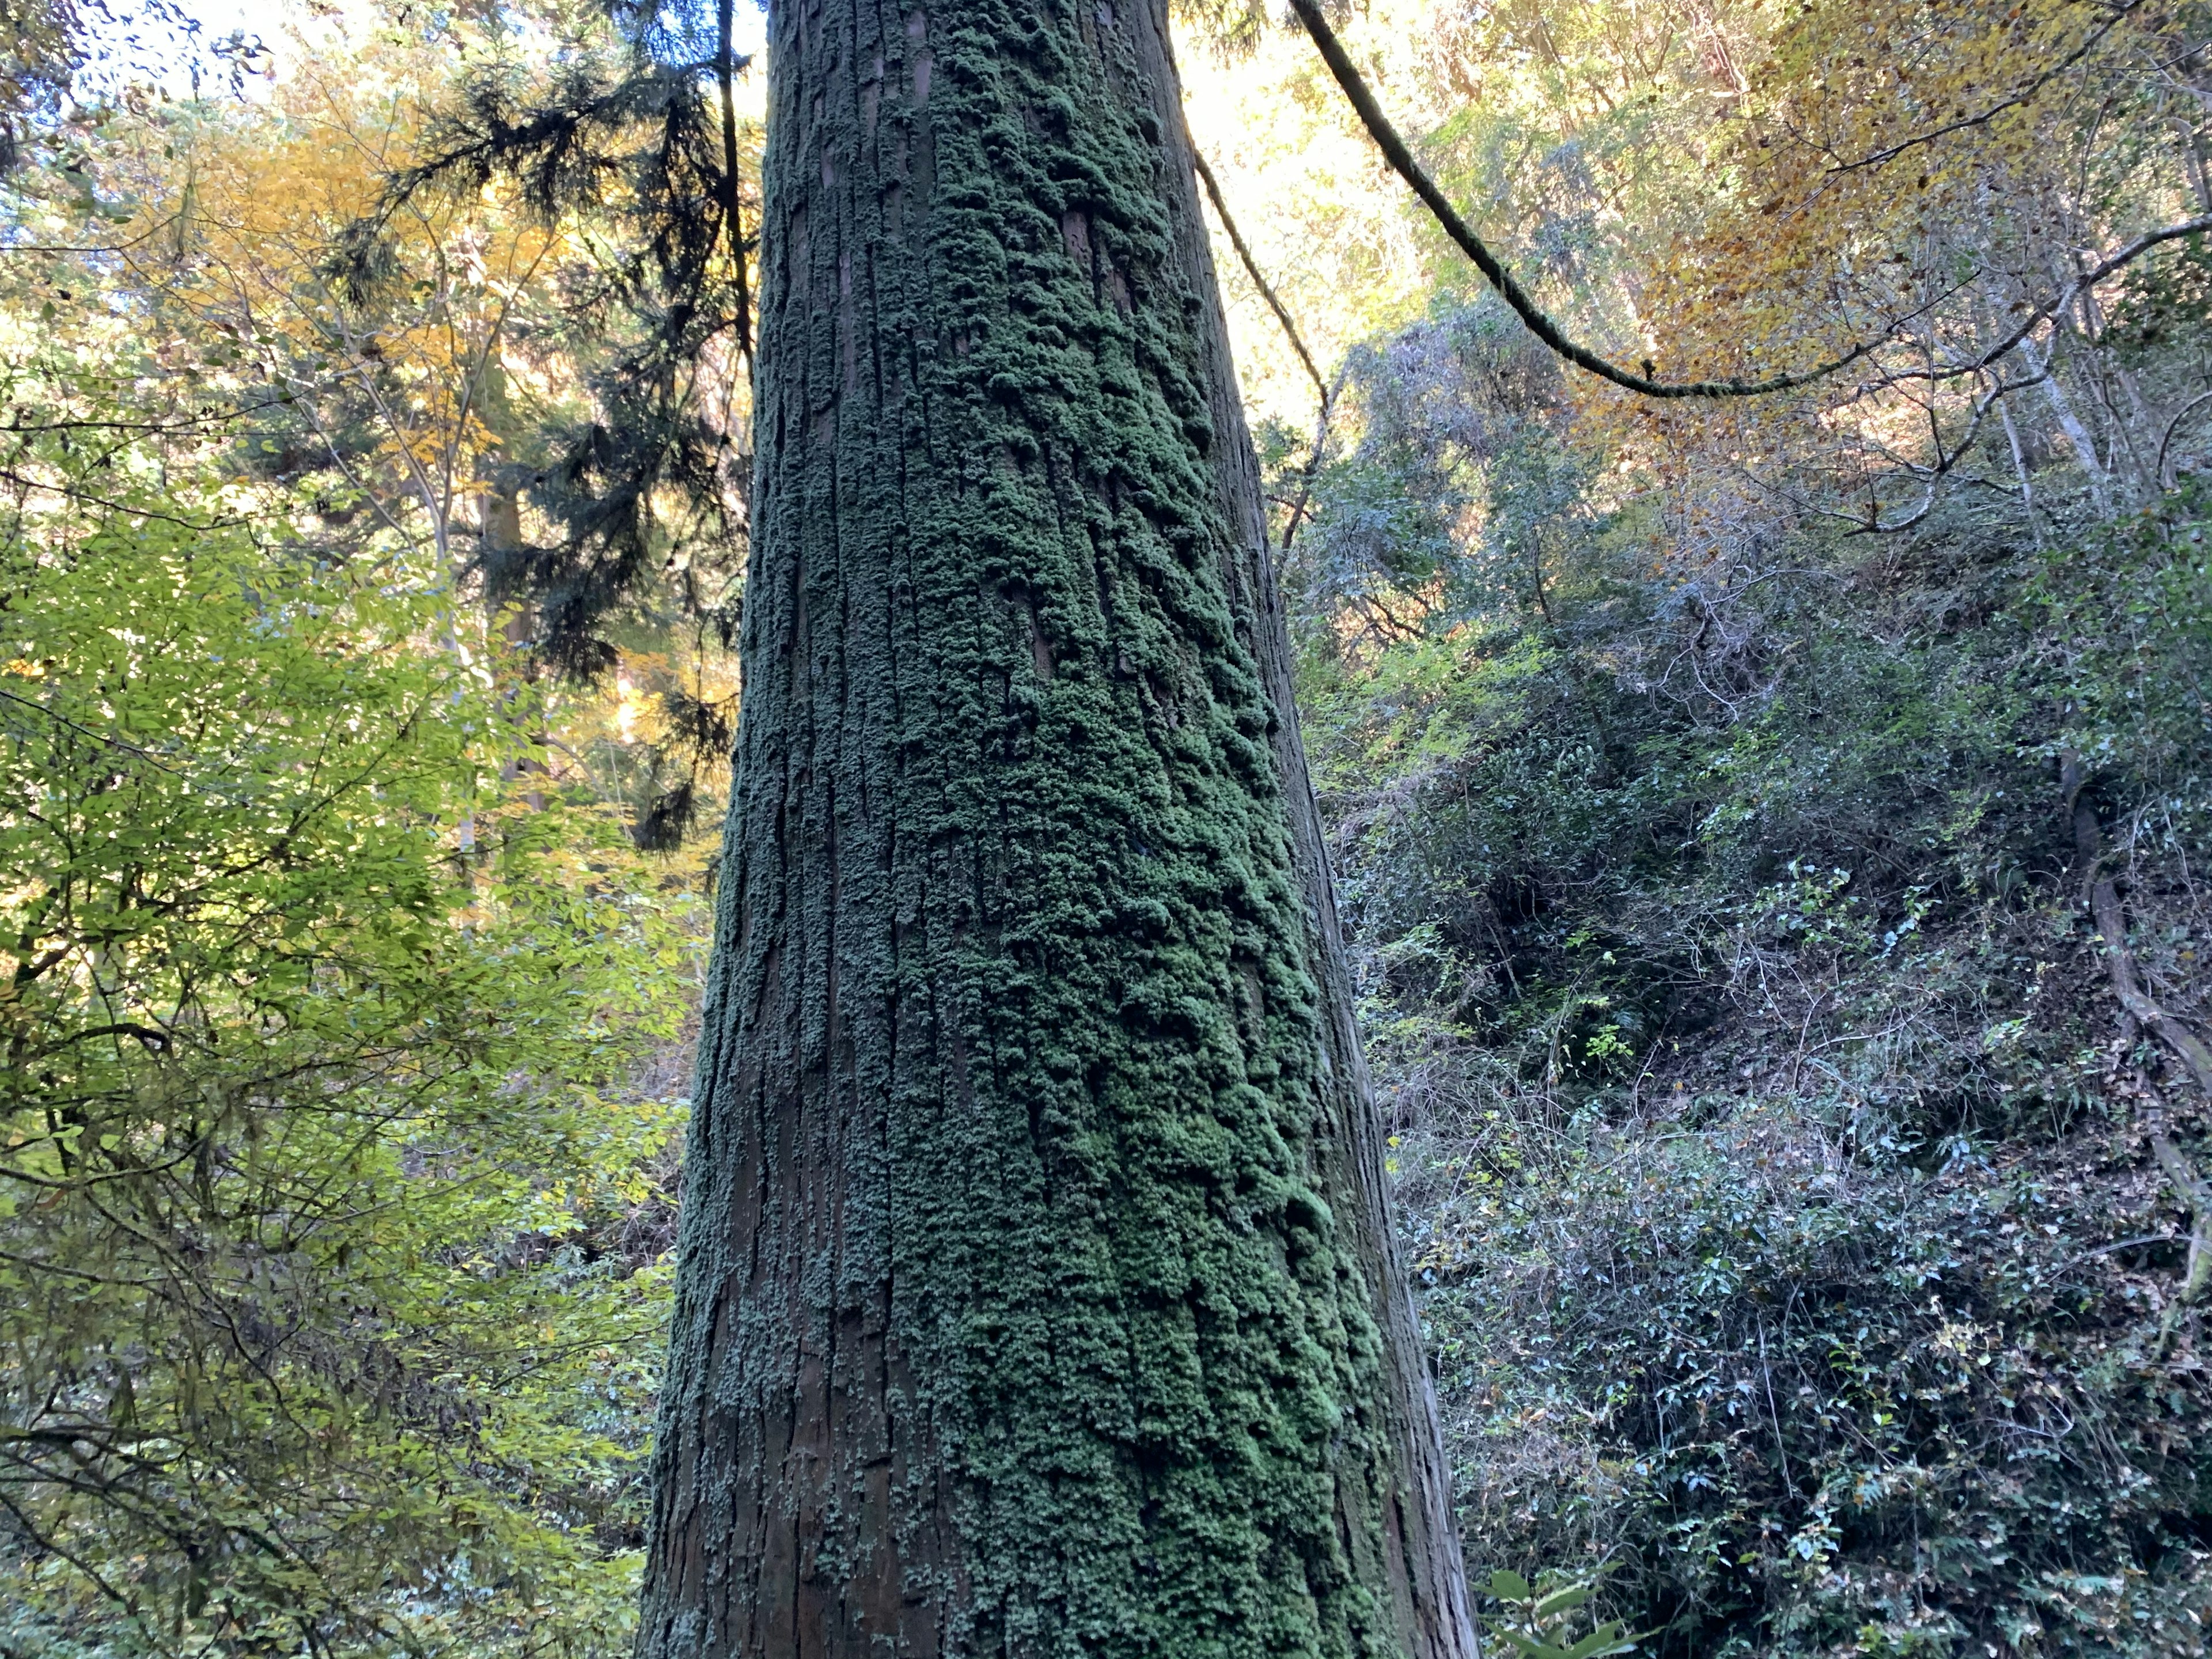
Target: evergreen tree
(634, 133)
(1036, 1293)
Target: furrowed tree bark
(1036, 1294)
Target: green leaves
(1537, 1622)
(1829, 1309)
(330, 1216)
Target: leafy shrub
(325, 1314)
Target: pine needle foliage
(627, 127)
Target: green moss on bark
(1033, 1298)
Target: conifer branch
(725, 70)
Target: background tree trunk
(1036, 1293)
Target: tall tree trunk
(1036, 1294)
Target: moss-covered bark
(1036, 1296)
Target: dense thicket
(1779, 1157)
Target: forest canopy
(1768, 830)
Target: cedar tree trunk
(1036, 1294)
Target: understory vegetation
(1775, 1152)
(328, 1269)
(342, 1030)
(1773, 840)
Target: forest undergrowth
(1776, 1155)
(1772, 839)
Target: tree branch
(1395, 152)
(726, 68)
(2102, 897)
(2027, 90)
(1252, 270)
(2125, 255)
(1327, 406)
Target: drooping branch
(632, 135)
(1401, 157)
(1252, 270)
(727, 65)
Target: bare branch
(1252, 270)
(2027, 89)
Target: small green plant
(1538, 1620)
